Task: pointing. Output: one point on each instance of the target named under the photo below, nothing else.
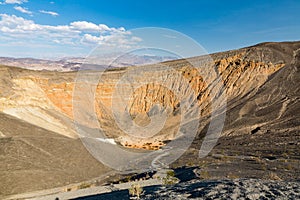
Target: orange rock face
(60, 94)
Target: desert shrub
(170, 178)
(84, 185)
(204, 174)
(203, 164)
(136, 190)
(273, 176)
(232, 176)
(264, 166)
(171, 173)
(289, 167)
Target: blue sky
(58, 28)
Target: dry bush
(273, 176)
(136, 190)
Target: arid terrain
(258, 145)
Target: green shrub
(171, 173)
(170, 179)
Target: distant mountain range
(78, 63)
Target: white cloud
(91, 27)
(49, 13)
(122, 40)
(87, 38)
(13, 24)
(15, 1)
(88, 26)
(23, 10)
(77, 33)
